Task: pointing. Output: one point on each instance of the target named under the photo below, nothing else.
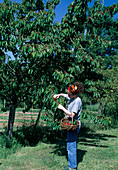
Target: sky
(61, 9)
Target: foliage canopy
(50, 56)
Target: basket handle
(72, 120)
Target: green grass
(101, 150)
(43, 149)
(97, 150)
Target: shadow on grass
(30, 136)
(91, 138)
(80, 155)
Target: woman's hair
(76, 88)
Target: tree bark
(37, 120)
(11, 121)
(100, 107)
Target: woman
(74, 110)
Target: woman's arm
(66, 111)
(56, 96)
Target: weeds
(8, 147)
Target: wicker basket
(64, 123)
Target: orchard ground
(44, 149)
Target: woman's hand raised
(56, 96)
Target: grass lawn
(97, 150)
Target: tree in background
(91, 35)
(103, 35)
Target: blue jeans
(72, 147)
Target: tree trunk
(11, 121)
(100, 107)
(37, 120)
(104, 109)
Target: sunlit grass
(96, 150)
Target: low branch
(11, 69)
